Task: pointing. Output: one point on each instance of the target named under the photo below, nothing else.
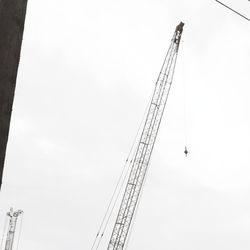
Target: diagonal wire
(115, 198)
(109, 205)
(232, 10)
(112, 209)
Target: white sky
(86, 73)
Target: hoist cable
(113, 198)
(112, 209)
(125, 176)
(4, 229)
(184, 97)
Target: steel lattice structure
(12, 228)
(146, 144)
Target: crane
(13, 215)
(145, 146)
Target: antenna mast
(145, 146)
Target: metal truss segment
(145, 145)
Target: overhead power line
(236, 12)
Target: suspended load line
(145, 145)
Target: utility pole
(13, 215)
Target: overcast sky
(86, 73)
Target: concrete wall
(12, 16)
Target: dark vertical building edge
(12, 18)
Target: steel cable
(118, 184)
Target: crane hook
(186, 151)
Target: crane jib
(145, 145)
